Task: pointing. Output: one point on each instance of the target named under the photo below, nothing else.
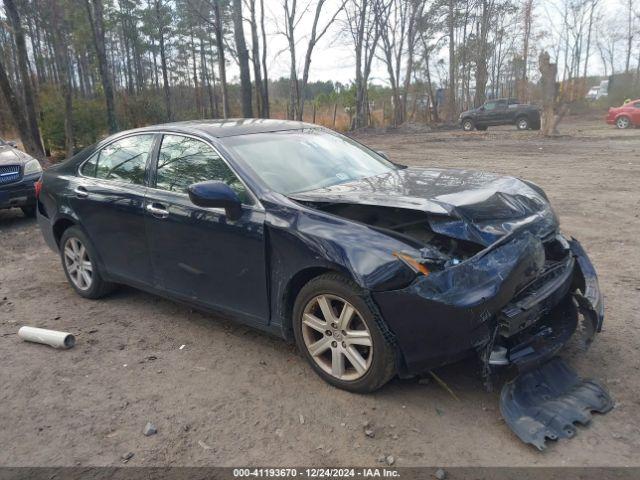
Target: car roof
(230, 127)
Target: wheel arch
(60, 226)
(293, 287)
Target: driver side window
(184, 160)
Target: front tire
(623, 122)
(338, 332)
(80, 265)
(467, 125)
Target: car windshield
(295, 161)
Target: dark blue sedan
(375, 269)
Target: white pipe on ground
(48, 337)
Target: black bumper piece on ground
(547, 401)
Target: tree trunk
(590, 28)
(265, 77)
(221, 60)
(19, 119)
(243, 60)
(548, 73)
(163, 63)
(96, 20)
(481, 61)
(27, 86)
(61, 49)
(452, 62)
(255, 54)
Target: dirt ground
(233, 396)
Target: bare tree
(482, 55)
(35, 142)
(17, 114)
(293, 16)
(162, 26)
(364, 31)
(255, 58)
(243, 60)
(61, 51)
(630, 33)
(96, 20)
(451, 24)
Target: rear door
(198, 253)
(108, 198)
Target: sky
(333, 57)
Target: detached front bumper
(497, 299)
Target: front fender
(300, 239)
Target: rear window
(124, 160)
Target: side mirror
(12, 143)
(216, 194)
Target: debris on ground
(443, 385)
(127, 456)
(369, 432)
(301, 418)
(441, 474)
(547, 402)
(204, 445)
(390, 460)
(53, 338)
(149, 429)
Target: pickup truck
(502, 111)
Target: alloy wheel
(523, 124)
(336, 337)
(467, 126)
(622, 122)
(78, 264)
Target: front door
(108, 198)
(198, 253)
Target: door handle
(81, 192)
(159, 212)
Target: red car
(626, 115)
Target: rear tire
(29, 212)
(522, 123)
(623, 122)
(80, 266)
(348, 351)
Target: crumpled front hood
(469, 205)
(8, 156)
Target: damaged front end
(492, 276)
(518, 301)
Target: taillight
(38, 186)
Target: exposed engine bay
(410, 226)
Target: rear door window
(124, 160)
(183, 161)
